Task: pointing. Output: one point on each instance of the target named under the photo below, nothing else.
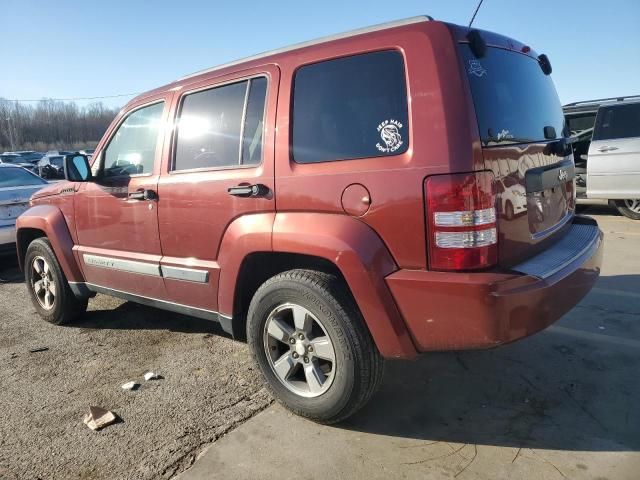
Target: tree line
(52, 125)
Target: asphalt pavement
(562, 404)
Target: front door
(223, 139)
(116, 214)
(613, 163)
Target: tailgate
(535, 198)
(521, 127)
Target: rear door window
(620, 121)
(222, 126)
(352, 107)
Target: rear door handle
(248, 191)
(143, 195)
(607, 148)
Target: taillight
(461, 219)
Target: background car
(16, 187)
(16, 159)
(51, 166)
(606, 151)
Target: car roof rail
(351, 33)
(598, 101)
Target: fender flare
(351, 245)
(50, 220)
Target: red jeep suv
(398, 189)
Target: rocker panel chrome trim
(122, 265)
(188, 274)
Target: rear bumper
(456, 311)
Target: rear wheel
(629, 208)
(48, 287)
(312, 346)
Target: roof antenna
(475, 13)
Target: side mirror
(77, 168)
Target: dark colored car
(51, 166)
(335, 203)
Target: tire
(508, 210)
(48, 288)
(322, 390)
(629, 208)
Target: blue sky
(83, 48)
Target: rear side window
(352, 107)
(222, 126)
(621, 121)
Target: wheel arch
(332, 243)
(48, 221)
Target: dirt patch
(209, 386)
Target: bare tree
(52, 124)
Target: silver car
(16, 187)
(613, 166)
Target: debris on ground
(38, 349)
(99, 417)
(130, 386)
(152, 376)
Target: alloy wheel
(299, 350)
(43, 283)
(633, 205)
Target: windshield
(57, 161)
(17, 177)
(9, 159)
(514, 100)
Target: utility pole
(10, 133)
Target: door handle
(143, 195)
(607, 148)
(249, 191)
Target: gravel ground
(209, 387)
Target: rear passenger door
(613, 166)
(223, 139)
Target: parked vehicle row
(606, 148)
(399, 189)
(48, 165)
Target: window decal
(390, 134)
(476, 68)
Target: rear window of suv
(351, 107)
(619, 121)
(514, 100)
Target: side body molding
(364, 261)
(50, 220)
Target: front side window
(351, 107)
(222, 126)
(132, 150)
(620, 121)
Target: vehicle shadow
(132, 316)
(9, 270)
(571, 387)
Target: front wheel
(312, 346)
(629, 208)
(48, 287)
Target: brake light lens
(461, 218)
